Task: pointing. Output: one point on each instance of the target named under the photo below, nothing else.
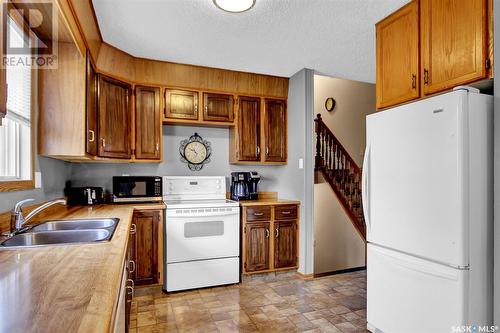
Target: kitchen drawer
(258, 213)
(286, 212)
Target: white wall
(338, 245)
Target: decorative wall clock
(195, 152)
(330, 104)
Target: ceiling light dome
(234, 6)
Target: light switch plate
(301, 163)
(38, 179)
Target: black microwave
(137, 189)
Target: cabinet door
(146, 247)
(218, 107)
(285, 244)
(130, 275)
(397, 57)
(275, 131)
(454, 40)
(249, 129)
(147, 123)
(114, 118)
(257, 246)
(181, 104)
(91, 108)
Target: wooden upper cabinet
(181, 104)
(257, 236)
(275, 130)
(114, 118)
(91, 108)
(397, 57)
(454, 43)
(285, 244)
(147, 123)
(248, 129)
(145, 247)
(218, 107)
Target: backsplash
(274, 178)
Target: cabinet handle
(206, 108)
(196, 108)
(257, 152)
(414, 81)
(426, 76)
(131, 283)
(157, 147)
(92, 136)
(267, 233)
(277, 232)
(267, 151)
(133, 266)
(133, 229)
(258, 214)
(285, 212)
(131, 291)
(103, 143)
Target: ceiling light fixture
(234, 6)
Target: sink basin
(57, 237)
(75, 225)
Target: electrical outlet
(38, 179)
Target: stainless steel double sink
(64, 232)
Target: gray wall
(496, 286)
(54, 174)
(288, 180)
(274, 178)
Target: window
(16, 151)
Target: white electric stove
(202, 233)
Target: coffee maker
(244, 185)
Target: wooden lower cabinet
(145, 246)
(285, 243)
(269, 245)
(257, 235)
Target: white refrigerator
(428, 205)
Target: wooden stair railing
(341, 172)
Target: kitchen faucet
(17, 219)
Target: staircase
(341, 172)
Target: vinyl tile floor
(262, 303)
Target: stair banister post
(317, 162)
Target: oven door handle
(205, 215)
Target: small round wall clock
(330, 104)
(195, 152)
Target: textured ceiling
(278, 37)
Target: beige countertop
(66, 288)
(268, 201)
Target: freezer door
(407, 294)
(415, 177)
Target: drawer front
(288, 212)
(258, 213)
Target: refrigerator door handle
(364, 186)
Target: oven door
(202, 233)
